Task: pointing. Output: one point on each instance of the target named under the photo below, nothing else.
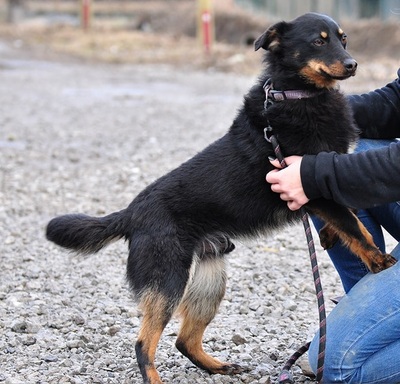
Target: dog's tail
(86, 234)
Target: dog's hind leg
(156, 314)
(158, 271)
(203, 295)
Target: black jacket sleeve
(357, 180)
(377, 113)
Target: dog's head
(312, 47)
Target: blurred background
(215, 34)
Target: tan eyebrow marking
(340, 30)
(324, 35)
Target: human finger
(293, 205)
(275, 162)
(272, 176)
(276, 188)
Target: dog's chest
(309, 126)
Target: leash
(285, 376)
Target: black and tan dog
(179, 228)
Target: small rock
(10, 350)
(245, 357)
(265, 380)
(30, 340)
(112, 311)
(78, 319)
(75, 344)
(305, 367)
(25, 327)
(20, 327)
(273, 356)
(254, 306)
(238, 339)
(66, 363)
(290, 305)
(113, 330)
(50, 358)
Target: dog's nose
(350, 65)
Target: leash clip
(268, 133)
(267, 103)
(267, 89)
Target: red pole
(85, 14)
(206, 26)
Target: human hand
(287, 182)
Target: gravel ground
(78, 137)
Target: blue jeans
(363, 330)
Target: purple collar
(272, 95)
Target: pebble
(50, 358)
(25, 327)
(238, 340)
(75, 344)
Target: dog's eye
(344, 39)
(319, 42)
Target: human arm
(377, 113)
(358, 180)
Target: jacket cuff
(307, 174)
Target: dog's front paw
(328, 237)
(385, 261)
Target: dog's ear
(272, 37)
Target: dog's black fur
(179, 228)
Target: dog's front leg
(341, 223)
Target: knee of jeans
(331, 374)
(338, 368)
